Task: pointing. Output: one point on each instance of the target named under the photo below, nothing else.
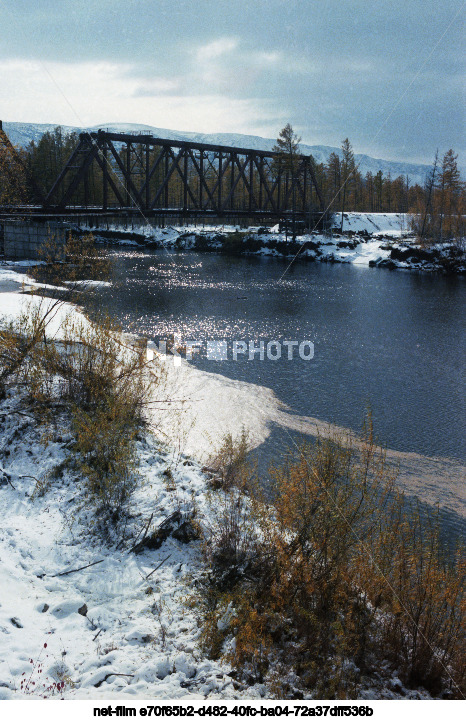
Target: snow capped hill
(22, 133)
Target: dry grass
(93, 384)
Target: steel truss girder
(157, 174)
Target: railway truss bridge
(127, 174)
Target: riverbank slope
(378, 240)
(81, 619)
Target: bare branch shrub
(99, 384)
(230, 465)
(78, 259)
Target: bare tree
(430, 185)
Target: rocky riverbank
(376, 240)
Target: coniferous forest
(437, 207)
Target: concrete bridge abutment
(27, 239)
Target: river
(391, 341)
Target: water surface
(391, 340)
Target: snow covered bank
(12, 279)
(82, 620)
(368, 239)
(14, 305)
(116, 628)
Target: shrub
(424, 629)
(95, 383)
(106, 385)
(332, 579)
(234, 243)
(76, 260)
(105, 452)
(229, 464)
(20, 340)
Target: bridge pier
(24, 239)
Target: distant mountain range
(22, 133)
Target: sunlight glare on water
(391, 340)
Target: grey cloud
(341, 65)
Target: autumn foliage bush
(340, 574)
(106, 385)
(422, 585)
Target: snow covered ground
(368, 239)
(121, 627)
(117, 627)
(80, 619)
(396, 224)
(108, 630)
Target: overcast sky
(386, 73)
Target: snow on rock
(66, 608)
(183, 663)
(368, 239)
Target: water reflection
(391, 339)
